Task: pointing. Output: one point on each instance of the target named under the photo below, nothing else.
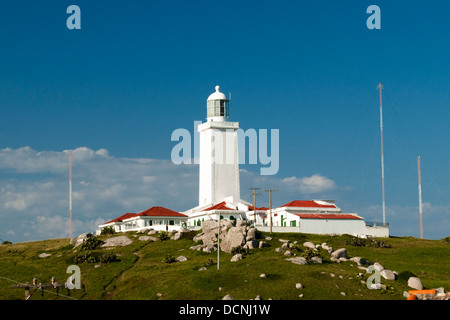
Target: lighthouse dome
(217, 95)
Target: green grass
(141, 272)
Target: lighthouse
(219, 158)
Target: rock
(343, 294)
(117, 241)
(202, 269)
(278, 250)
(177, 236)
(378, 266)
(286, 245)
(298, 260)
(299, 286)
(209, 248)
(316, 259)
(148, 238)
(342, 252)
(263, 276)
(236, 257)
(309, 245)
(268, 238)
(326, 247)
(287, 253)
(387, 274)
(81, 239)
(284, 241)
(258, 297)
(228, 297)
(241, 223)
(415, 283)
(231, 241)
(252, 244)
(44, 255)
(197, 247)
(360, 261)
(251, 234)
(181, 259)
(159, 295)
(263, 244)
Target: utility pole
(420, 198)
(270, 206)
(254, 194)
(70, 194)
(380, 87)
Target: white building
(320, 217)
(157, 218)
(219, 192)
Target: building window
(171, 223)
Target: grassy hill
(142, 273)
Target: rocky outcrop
(231, 236)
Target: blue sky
(137, 70)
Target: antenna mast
(380, 87)
(270, 206)
(70, 193)
(254, 194)
(420, 198)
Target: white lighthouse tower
(219, 160)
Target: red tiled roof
(122, 217)
(220, 206)
(261, 208)
(161, 212)
(308, 204)
(327, 216)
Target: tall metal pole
(270, 206)
(218, 244)
(70, 193)
(380, 87)
(420, 198)
(254, 194)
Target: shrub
(108, 230)
(169, 259)
(163, 236)
(91, 243)
(377, 243)
(208, 263)
(239, 249)
(108, 257)
(309, 253)
(405, 275)
(6, 242)
(446, 239)
(85, 257)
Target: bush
(377, 243)
(108, 230)
(108, 257)
(446, 239)
(6, 242)
(209, 263)
(91, 244)
(85, 257)
(163, 236)
(169, 259)
(405, 275)
(239, 249)
(309, 253)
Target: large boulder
(298, 260)
(81, 239)
(387, 274)
(415, 283)
(117, 241)
(342, 252)
(232, 240)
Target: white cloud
(310, 185)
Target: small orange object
(429, 291)
(412, 297)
